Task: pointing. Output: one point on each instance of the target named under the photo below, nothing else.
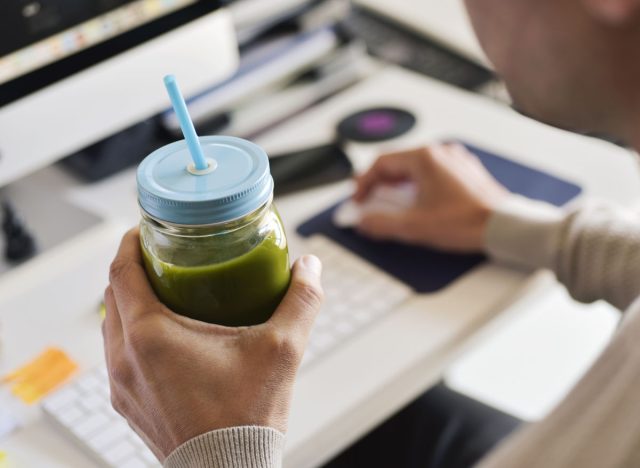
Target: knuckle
(383, 161)
(140, 340)
(118, 270)
(310, 294)
(384, 158)
(276, 340)
(427, 156)
(117, 403)
(115, 400)
(132, 234)
(283, 346)
(120, 371)
(455, 146)
(148, 336)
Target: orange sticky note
(39, 377)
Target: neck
(635, 137)
(629, 128)
(634, 131)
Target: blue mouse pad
(426, 270)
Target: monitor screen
(43, 41)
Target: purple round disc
(374, 125)
(377, 123)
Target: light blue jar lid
(237, 183)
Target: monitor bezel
(38, 79)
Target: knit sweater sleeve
(593, 249)
(235, 447)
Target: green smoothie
(242, 291)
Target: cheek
(493, 22)
(508, 33)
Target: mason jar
(213, 244)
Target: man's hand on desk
(456, 196)
(174, 378)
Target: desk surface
(380, 370)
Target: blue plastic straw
(186, 124)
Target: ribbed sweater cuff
(525, 233)
(235, 447)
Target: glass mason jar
(220, 254)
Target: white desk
(52, 300)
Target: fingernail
(312, 263)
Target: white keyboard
(356, 295)
(83, 411)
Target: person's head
(572, 63)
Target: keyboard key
(93, 402)
(70, 414)
(331, 291)
(323, 340)
(344, 328)
(89, 383)
(119, 452)
(134, 462)
(309, 355)
(137, 441)
(61, 398)
(362, 317)
(323, 319)
(110, 412)
(341, 309)
(148, 456)
(90, 425)
(103, 374)
(111, 434)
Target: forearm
(237, 447)
(594, 250)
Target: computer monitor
(73, 72)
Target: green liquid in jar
(242, 291)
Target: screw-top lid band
(239, 184)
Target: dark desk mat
(426, 270)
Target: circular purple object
(375, 125)
(377, 122)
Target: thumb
(297, 311)
(384, 226)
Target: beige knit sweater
(595, 251)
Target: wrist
(486, 211)
(519, 223)
(478, 231)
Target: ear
(613, 12)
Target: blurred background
(81, 104)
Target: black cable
(19, 243)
